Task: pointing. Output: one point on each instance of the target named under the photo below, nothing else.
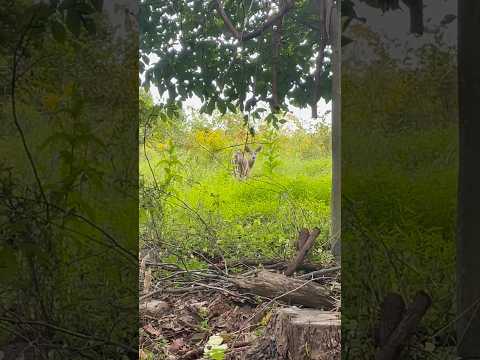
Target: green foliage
(70, 262)
(170, 164)
(271, 152)
(208, 211)
(399, 193)
(214, 349)
(198, 56)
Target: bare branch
(240, 35)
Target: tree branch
(276, 46)
(242, 36)
(13, 87)
(306, 240)
(325, 34)
(416, 15)
(317, 77)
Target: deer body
(244, 161)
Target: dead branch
(398, 338)
(391, 313)
(307, 245)
(319, 272)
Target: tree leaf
(210, 107)
(221, 106)
(231, 107)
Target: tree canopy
(234, 53)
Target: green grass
(402, 190)
(256, 218)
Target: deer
(243, 163)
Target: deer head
(244, 161)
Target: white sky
(393, 28)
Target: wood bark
(302, 238)
(391, 313)
(288, 290)
(468, 244)
(294, 334)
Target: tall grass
(205, 209)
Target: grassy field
(192, 203)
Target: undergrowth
(192, 204)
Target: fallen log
(289, 290)
(294, 333)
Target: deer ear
(247, 149)
(259, 148)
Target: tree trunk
(336, 134)
(294, 334)
(415, 8)
(468, 245)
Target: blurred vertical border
(68, 179)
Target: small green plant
(171, 165)
(272, 151)
(203, 313)
(214, 348)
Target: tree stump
(295, 334)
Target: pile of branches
(181, 309)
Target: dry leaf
(151, 330)
(176, 345)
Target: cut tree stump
(295, 334)
(285, 289)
